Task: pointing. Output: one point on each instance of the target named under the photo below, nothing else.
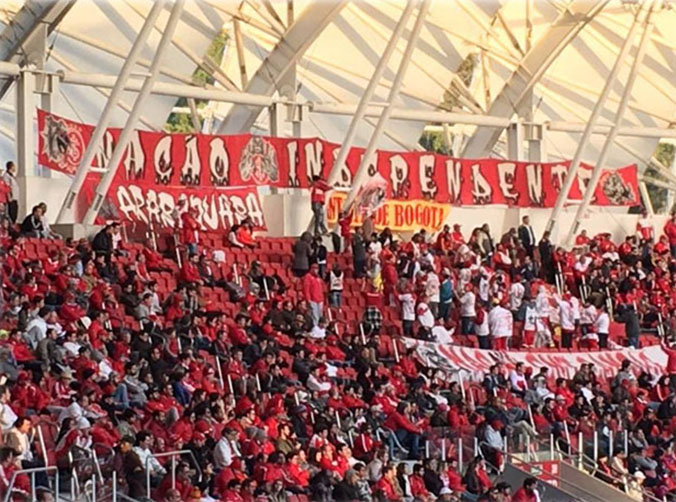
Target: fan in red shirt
(190, 230)
(527, 492)
(318, 199)
(388, 486)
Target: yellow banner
(398, 215)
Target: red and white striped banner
(560, 364)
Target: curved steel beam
(534, 64)
(288, 51)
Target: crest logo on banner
(259, 162)
(63, 143)
(617, 191)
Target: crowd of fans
(275, 403)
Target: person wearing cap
(634, 486)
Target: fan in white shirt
(516, 292)
(425, 316)
(500, 324)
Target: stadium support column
(610, 139)
(109, 108)
(571, 176)
(25, 133)
(360, 112)
(363, 171)
(515, 141)
(132, 120)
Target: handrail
(173, 455)
(32, 472)
(571, 460)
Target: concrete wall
(287, 212)
(51, 191)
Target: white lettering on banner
(506, 180)
(483, 194)
(313, 158)
(135, 159)
(453, 176)
(559, 172)
(254, 210)
(534, 177)
(192, 167)
(398, 176)
(292, 150)
(426, 172)
(104, 151)
(561, 364)
(583, 178)
(162, 161)
(345, 178)
(215, 210)
(219, 162)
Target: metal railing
(583, 462)
(32, 472)
(173, 455)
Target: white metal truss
(533, 65)
(29, 27)
(299, 36)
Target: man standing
(527, 236)
(313, 291)
(500, 324)
(13, 203)
(318, 199)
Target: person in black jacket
(103, 241)
(546, 258)
(527, 236)
(302, 252)
(348, 489)
(431, 477)
(359, 253)
(32, 224)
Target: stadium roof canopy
(478, 58)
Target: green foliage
(182, 122)
(433, 141)
(658, 195)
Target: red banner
(146, 204)
(201, 160)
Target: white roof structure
(324, 53)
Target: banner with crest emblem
(202, 160)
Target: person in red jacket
(189, 229)
(388, 486)
(189, 271)
(417, 484)
(313, 292)
(670, 232)
(527, 492)
(318, 199)
(407, 432)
